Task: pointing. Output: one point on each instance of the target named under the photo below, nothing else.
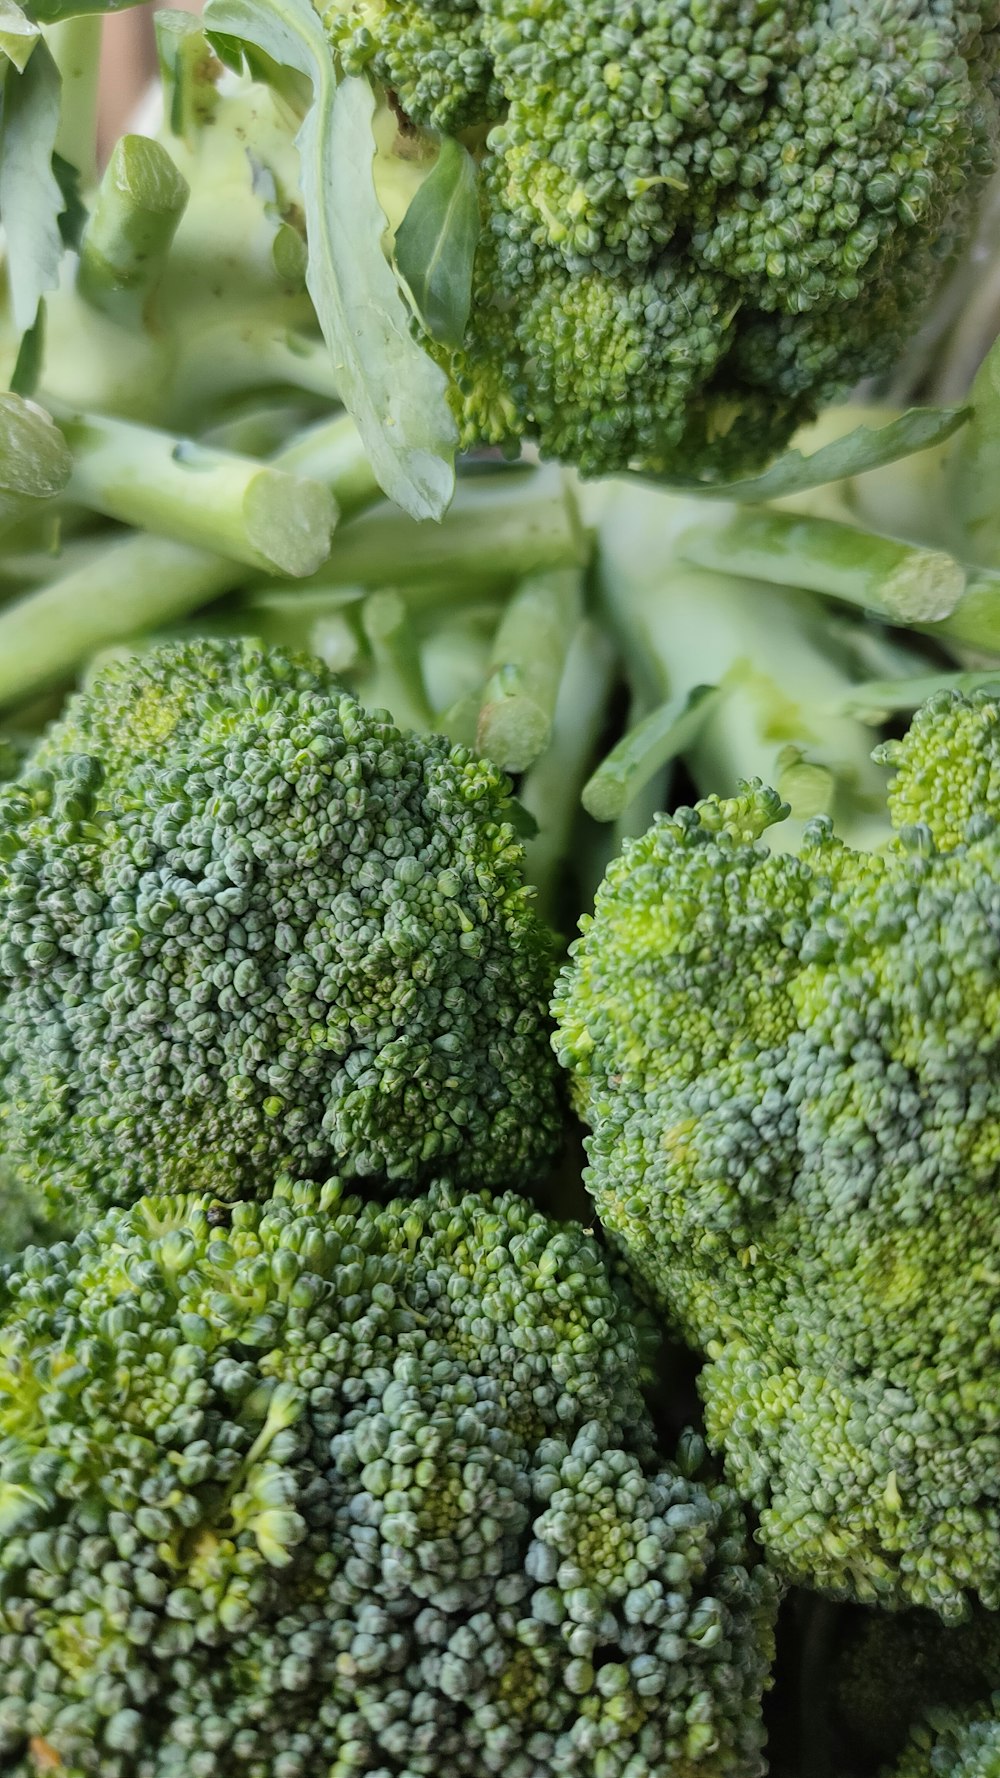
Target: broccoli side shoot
(325, 1487)
(698, 222)
(246, 923)
(790, 1064)
(954, 1744)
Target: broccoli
(891, 1666)
(324, 1485)
(954, 1744)
(246, 923)
(698, 222)
(788, 1064)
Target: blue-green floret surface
(319, 1486)
(246, 924)
(954, 1744)
(700, 218)
(790, 1064)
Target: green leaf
(867, 447)
(73, 214)
(18, 34)
(31, 202)
(395, 392)
(27, 370)
(436, 244)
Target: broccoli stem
(125, 244)
(136, 585)
(550, 790)
(975, 621)
(879, 699)
(76, 50)
(903, 582)
(34, 461)
(645, 749)
(975, 471)
(498, 530)
(526, 667)
(681, 627)
(332, 452)
(236, 506)
(396, 683)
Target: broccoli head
(699, 221)
(890, 1666)
(245, 923)
(323, 1486)
(789, 1063)
(954, 1744)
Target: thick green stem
(234, 505)
(137, 584)
(76, 51)
(644, 750)
(396, 682)
(879, 699)
(975, 621)
(550, 790)
(526, 668)
(904, 583)
(332, 452)
(34, 461)
(125, 244)
(681, 627)
(498, 530)
(975, 471)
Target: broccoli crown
(755, 197)
(245, 923)
(324, 1486)
(789, 1063)
(891, 1665)
(954, 1744)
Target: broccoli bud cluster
(324, 1485)
(789, 1063)
(247, 924)
(699, 221)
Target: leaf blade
(397, 395)
(31, 201)
(436, 244)
(866, 447)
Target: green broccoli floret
(698, 222)
(954, 1744)
(245, 923)
(789, 1066)
(889, 1667)
(324, 1486)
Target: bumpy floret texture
(342, 1488)
(789, 1063)
(954, 1745)
(246, 923)
(763, 194)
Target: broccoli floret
(789, 1066)
(698, 222)
(890, 1667)
(246, 923)
(330, 1486)
(954, 1744)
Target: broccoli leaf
(396, 394)
(436, 244)
(31, 201)
(18, 34)
(867, 447)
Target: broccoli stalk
(779, 714)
